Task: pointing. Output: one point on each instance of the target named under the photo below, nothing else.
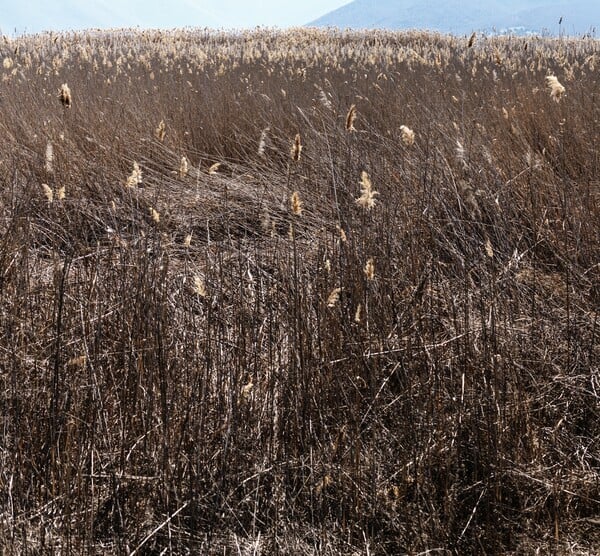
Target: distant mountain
(579, 17)
(44, 15)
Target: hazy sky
(240, 13)
(37, 15)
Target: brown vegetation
(209, 344)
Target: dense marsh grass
(360, 318)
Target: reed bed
(304, 292)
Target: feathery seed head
(48, 193)
(296, 149)
(556, 88)
(78, 361)
(135, 178)
(370, 269)
(49, 157)
(161, 131)
(351, 118)
(296, 204)
(262, 143)
(367, 197)
(199, 286)
(324, 99)
(183, 167)
(408, 136)
(247, 390)
(334, 297)
(64, 96)
(155, 215)
(358, 312)
(489, 250)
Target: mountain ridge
(577, 17)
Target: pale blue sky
(37, 15)
(281, 13)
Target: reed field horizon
(299, 292)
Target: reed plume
(324, 99)
(183, 167)
(135, 178)
(161, 131)
(367, 197)
(48, 193)
(64, 96)
(296, 149)
(370, 269)
(199, 286)
(262, 142)
(155, 215)
(296, 204)
(556, 88)
(358, 313)
(49, 158)
(489, 250)
(334, 297)
(408, 136)
(78, 361)
(351, 118)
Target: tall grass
(300, 293)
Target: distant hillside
(464, 16)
